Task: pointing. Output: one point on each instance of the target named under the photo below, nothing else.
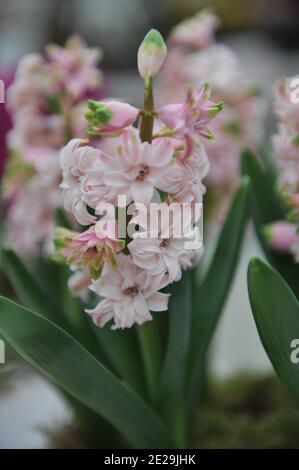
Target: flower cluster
(47, 102)
(195, 57)
(128, 177)
(283, 235)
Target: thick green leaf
(213, 291)
(58, 356)
(267, 207)
(122, 349)
(276, 313)
(173, 379)
(50, 297)
(150, 336)
(29, 291)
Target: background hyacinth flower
(132, 350)
(275, 184)
(197, 32)
(280, 231)
(44, 100)
(274, 290)
(195, 58)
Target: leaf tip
(254, 265)
(6, 250)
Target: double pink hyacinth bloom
(130, 168)
(129, 295)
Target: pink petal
(142, 191)
(158, 302)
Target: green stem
(149, 337)
(147, 119)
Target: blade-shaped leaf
(267, 207)
(150, 338)
(53, 278)
(276, 313)
(122, 352)
(36, 294)
(173, 379)
(28, 289)
(213, 291)
(122, 349)
(58, 356)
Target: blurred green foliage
(248, 412)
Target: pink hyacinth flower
(196, 32)
(192, 116)
(129, 295)
(281, 236)
(74, 66)
(76, 160)
(92, 248)
(140, 168)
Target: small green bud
(152, 53)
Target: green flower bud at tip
(152, 53)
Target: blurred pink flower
(74, 67)
(192, 63)
(286, 141)
(281, 235)
(197, 31)
(45, 100)
(79, 282)
(33, 129)
(30, 219)
(286, 154)
(285, 108)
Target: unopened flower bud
(151, 54)
(109, 117)
(280, 235)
